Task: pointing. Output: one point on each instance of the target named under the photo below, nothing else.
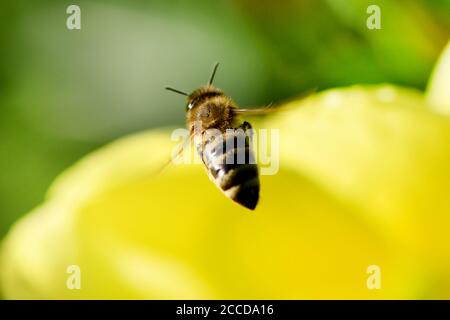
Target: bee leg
(247, 127)
(186, 143)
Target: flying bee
(233, 169)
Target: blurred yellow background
(364, 173)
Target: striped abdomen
(230, 162)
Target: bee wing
(272, 108)
(257, 111)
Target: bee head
(202, 93)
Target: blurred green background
(66, 92)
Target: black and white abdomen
(231, 164)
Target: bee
(209, 107)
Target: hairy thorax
(210, 110)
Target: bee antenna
(177, 91)
(211, 78)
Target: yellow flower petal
(381, 151)
(438, 93)
(346, 197)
